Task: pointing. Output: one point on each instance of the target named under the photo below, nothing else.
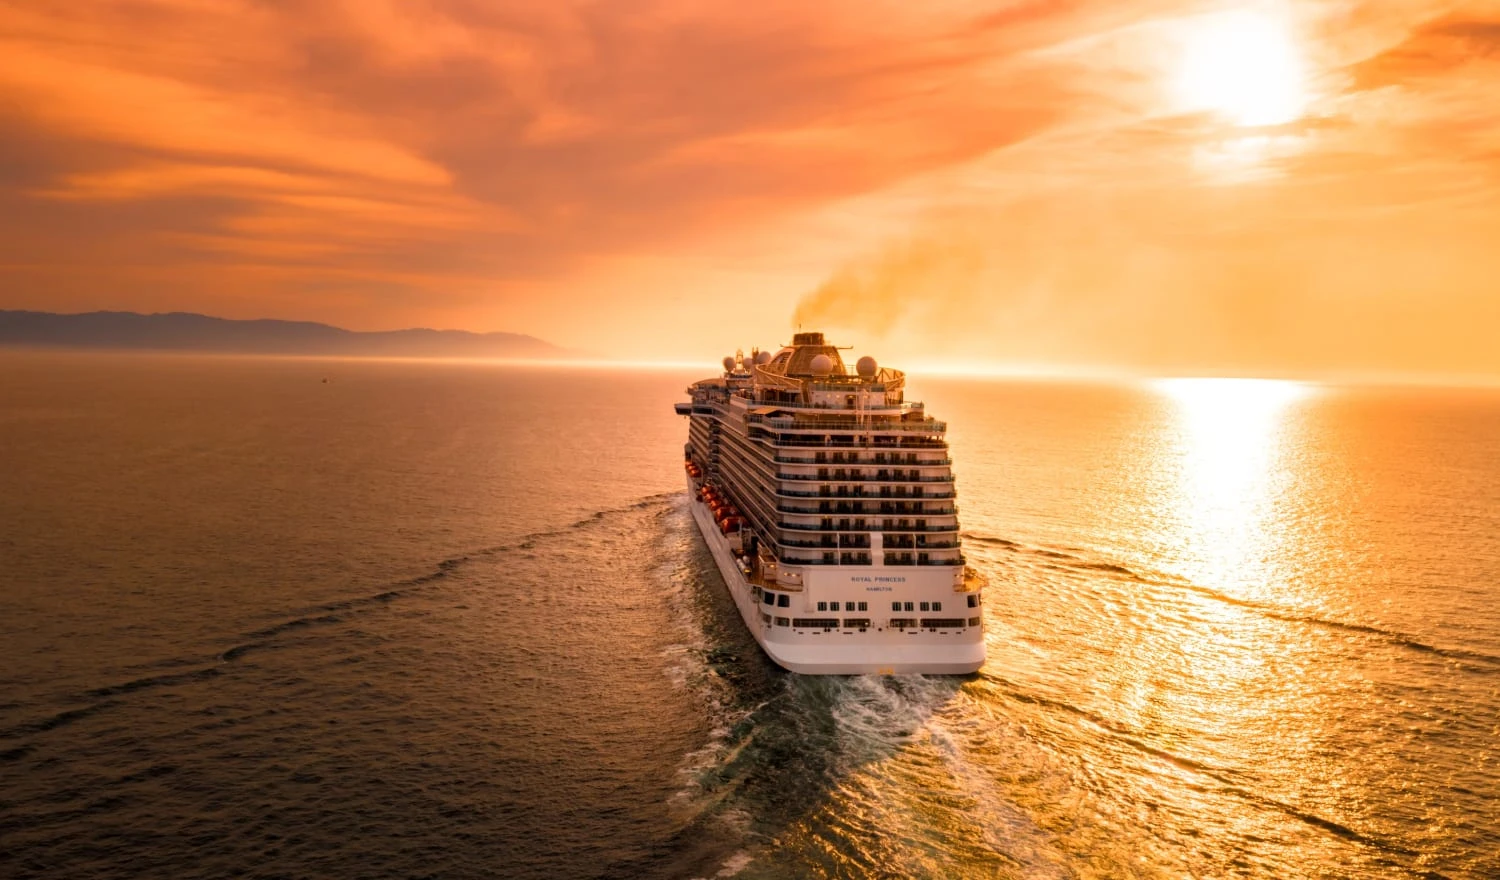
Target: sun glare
(1243, 65)
(1229, 439)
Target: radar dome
(728, 364)
(763, 358)
(822, 365)
(867, 367)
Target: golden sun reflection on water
(1210, 676)
(1229, 442)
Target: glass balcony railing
(868, 495)
(869, 527)
(871, 424)
(876, 462)
(877, 477)
(852, 443)
(803, 558)
(868, 508)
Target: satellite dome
(763, 358)
(728, 364)
(822, 365)
(867, 367)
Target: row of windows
(863, 623)
(815, 622)
(848, 606)
(925, 606)
(859, 623)
(770, 598)
(931, 622)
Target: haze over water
(431, 619)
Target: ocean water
(299, 618)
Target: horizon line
(998, 371)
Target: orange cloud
(514, 166)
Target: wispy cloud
(678, 170)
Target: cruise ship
(828, 502)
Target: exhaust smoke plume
(1115, 282)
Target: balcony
(907, 559)
(917, 546)
(838, 559)
(854, 460)
(863, 426)
(868, 527)
(852, 443)
(863, 508)
(840, 476)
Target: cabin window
(973, 601)
(783, 601)
(909, 607)
(895, 606)
(833, 606)
(925, 606)
(768, 597)
(864, 606)
(782, 621)
(973, 621)
(937, 606)
(822, 606)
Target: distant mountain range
(184, 331)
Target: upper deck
(828, 463)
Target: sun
(1243, 65)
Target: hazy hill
(183, 331)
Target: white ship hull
(877, 650)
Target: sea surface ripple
(454, 620)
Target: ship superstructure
(828, 502)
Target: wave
(155, 681)
(55, 721)
(100, 698)
(1292, 615)
(1229, 781)
(1006, 827)
(991, 541)
(1060, 561)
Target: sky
(1162, 187)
